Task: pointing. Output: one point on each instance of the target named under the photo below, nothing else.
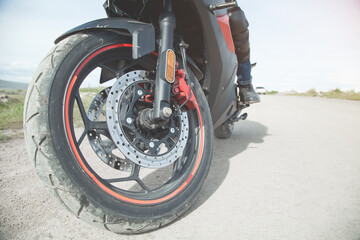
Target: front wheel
(84, 133)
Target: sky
(297, 45)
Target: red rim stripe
(82, 164)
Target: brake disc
(100, 141)
(148, 148)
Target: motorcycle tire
(80, 164)
(224, 130)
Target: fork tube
(167, 24)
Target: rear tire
(51, 139)
(224, 130)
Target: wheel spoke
(83, 117)
(145, 91)
(136, 171)
(81, 108)
(168, 144)
(115, 180)
(82, 136)
(134, 176)
(122, 70)
(113, 130)
(109, 69)
(142, 185)
(180, 162)
(152, 151)
(136, 140)
(126, 102)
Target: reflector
(170, 66)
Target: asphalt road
(290, 171)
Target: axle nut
(167, 112)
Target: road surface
(290, 171)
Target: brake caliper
(181, 90)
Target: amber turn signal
(170, 66)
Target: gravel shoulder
(290, 171)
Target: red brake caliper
(181, 90)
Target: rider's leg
(240, 33)
(247, 92)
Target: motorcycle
(119, 116)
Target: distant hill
(12, 85)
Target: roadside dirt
(290, 171)
(27, 209)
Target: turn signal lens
(170, 66)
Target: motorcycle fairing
(221, 64)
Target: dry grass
(272, 92)
(11, 112)
(337, 94)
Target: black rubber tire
(55, 162)
(224, 130)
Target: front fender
(143, 34)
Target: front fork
(165, 69)
(168, 78)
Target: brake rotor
(100, 140)
(148, 148)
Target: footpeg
(222, 6)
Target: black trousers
(240, 33)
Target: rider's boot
(247, 92)
(240, 33)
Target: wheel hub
(151, 148)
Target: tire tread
(44, 154)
